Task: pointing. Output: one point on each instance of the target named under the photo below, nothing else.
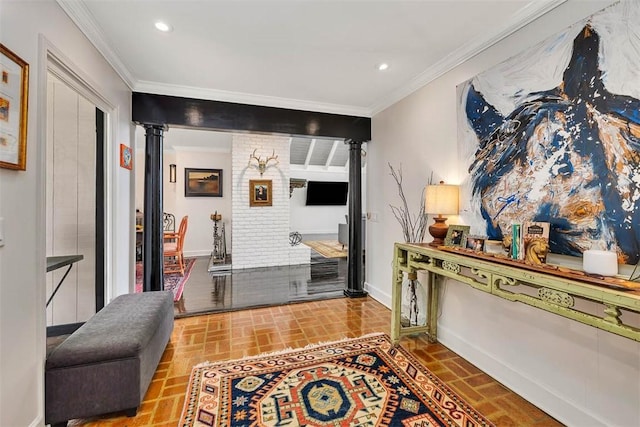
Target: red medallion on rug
(357, 382)
(172, 281)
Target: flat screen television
(327, 193)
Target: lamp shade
(172, 173)
(441, 199)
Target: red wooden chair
(173, 243)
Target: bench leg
(131, 412)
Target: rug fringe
(290, 349)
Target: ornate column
(355, 277)
(153, 276)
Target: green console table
(541, 289)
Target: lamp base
(438, 231)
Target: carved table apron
(542, 290)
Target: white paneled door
(71, 201)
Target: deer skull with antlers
(262, 164)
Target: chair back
(182, 231)
(168, 222)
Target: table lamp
(440, 199)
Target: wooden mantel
(544, 290)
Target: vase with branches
(413, 227)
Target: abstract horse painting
(554, 135)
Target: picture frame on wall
(457, 235)
(260, 192)
(200, 182)
(126, 157)
(14, 101)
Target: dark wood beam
(228, 116)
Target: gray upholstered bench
(107, 364)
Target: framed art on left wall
(126, 157)
(14, 100)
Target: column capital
(354, 144)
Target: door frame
(54, 61)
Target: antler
(262, 164)
(253, 156)
(272, 157)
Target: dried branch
(413, 227)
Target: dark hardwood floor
(207, 292)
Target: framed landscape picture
(202, 182)
(260, 192)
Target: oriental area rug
(363, 381)
(172, 281)
(328, 248)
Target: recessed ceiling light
(161, 26)
(383, 66)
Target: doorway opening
(77, 122)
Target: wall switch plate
(1, 232)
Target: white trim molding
(81, 16)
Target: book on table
(535, 242)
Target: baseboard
(555, 405)
(378, 295)
(66, 329)
(192, 254)
(330, 233)
(38, 421)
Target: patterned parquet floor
(237, 334)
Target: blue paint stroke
(571, 107)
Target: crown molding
(199, 149)
(80, 15)
(247, 98)
(525, 16)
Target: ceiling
(308, 55)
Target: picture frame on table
(495, 247)
(199, 182)
(260, 192)
(14, 103)
(457, 236)
(476, 243)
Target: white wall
(579, 374)
(191, 148)
(315, 219)
(199, 238)
(22, 259)
(260, 233)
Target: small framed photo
(475, 243)
(14, 101)
(202, 182)
(260, 192)
(494, 247)
(457, 235)
(126, 157)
